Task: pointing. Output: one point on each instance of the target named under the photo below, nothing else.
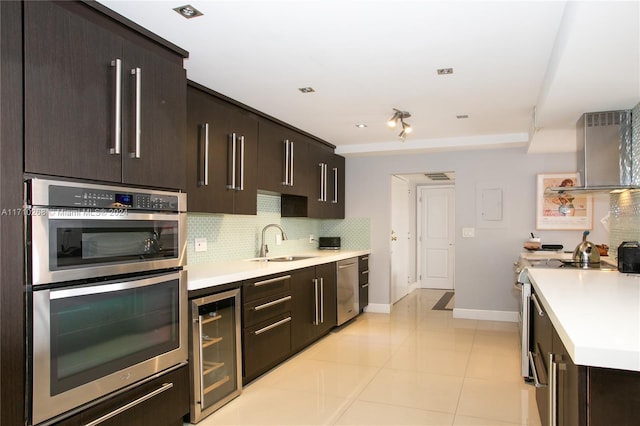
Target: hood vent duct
(605, 152)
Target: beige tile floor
(415, 366)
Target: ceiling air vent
(437, 176)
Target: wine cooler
(214, 352)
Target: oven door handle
(106, 288)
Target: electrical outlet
(468, 232)
(201, 244)
(311, 239)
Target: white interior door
(399, 238)
(437, 237)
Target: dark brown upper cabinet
(283, 159)
(222, 155)
(102, 102)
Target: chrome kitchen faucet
(264, 249)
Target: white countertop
(596, 314)
(204, 275)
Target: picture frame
(562, 210)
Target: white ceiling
(365, 57)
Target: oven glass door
(90, 340)
(74, 244)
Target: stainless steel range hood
(606, 156)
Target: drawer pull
(271, 281)
(365, 272)
(268, 304)
(365, 285)
(270, 326)
(364, 258)
(164, 387)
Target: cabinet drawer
(265, 345)
(363, 277)
(263, 287)
(363, 262)
(262, 309)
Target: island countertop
(204, 275)
(595, 313)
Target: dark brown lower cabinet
(363, 282)
(265, 345)
(577, 395)
(167, 408)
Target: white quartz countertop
(596, 314)
(204, 275)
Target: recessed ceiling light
(361, 126)
(462, 116)
(445, 71)
(188, 11)
(306, 89)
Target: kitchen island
(585, 350)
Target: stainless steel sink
(282, 259)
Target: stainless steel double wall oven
(107, 296)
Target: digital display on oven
(124, 199)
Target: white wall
(484, 264)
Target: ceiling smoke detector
(188, 11)
(445, 71)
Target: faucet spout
(264, 249)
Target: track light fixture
(400, 116)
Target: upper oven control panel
(68, 194)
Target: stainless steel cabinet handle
(364, 258)
(538, 307)
(206, 154)
(316, 320)
(365, 272)
(270, 326)
(164, 387)
(335, 185)
(322, 300)
(138, 126)
(553, 391)
(117, 98)
(321, 165)
(272, 303)
(285, 180)
(272, 280)
(326, 182)
(291, 165)
(365, 285)
(231, 162)
(241, 160)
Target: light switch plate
(201, 244)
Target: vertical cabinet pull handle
(553, 391)
(321, 165)
(291, 166)
(117, 117)
(335, 185)
(322, 300)
(241, 166)
(231, 162)
(285, 180)
(316, 320)
(206, 154)
(138, 128)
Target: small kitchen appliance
(329, 243)
(629, 257)
(586, 253)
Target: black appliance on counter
(629, 257)
(329, 243)
(106, 292)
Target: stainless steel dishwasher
(348, 299)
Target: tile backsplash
(238, 236)
(624, 219)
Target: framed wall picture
(562, 209)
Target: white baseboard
(413, 286)
(378, 308)
(478, 314)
